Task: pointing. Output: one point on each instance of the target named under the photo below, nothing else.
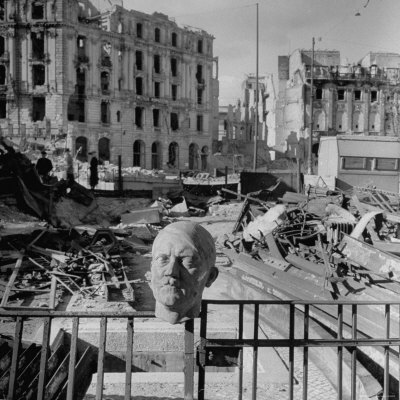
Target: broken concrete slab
(150, 215)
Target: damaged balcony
(372, 75)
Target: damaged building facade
(122, 83)
(236, 130)
(352, 99)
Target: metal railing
(344, 334)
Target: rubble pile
(339, 238)
(44, 267)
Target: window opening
(199, 74)
(174, 70)
(157, 90)
(157, 66)
(3, 107)
(37, 10)
(139, 117)
(38, 75)
(174, 39)
(374, 96)
(157, 35)
(105, 112)
(357, 95)
(341, 94)
(156, 117)
(199, 124)
(174, 121)
(139, 60)
(37, 40)
(139, 30)
(174, 92)
(139, 86)
(38, 108)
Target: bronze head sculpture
(183, 264)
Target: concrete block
(149, 215)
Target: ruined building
(120, 82)
(236, 131)
(359, 99)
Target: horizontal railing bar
(79, 314)
(151, 314)
(303, 302)
(301, 342)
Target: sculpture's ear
(212, 276)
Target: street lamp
(256, 114)
(310, 139)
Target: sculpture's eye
(189, 263)
(162, 259)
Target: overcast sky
(284, 25)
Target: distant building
(358, 99)
(237, 123)
(121, 82)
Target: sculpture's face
(181, 269)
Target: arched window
(173, 155)
(156, 155)
(139, 154)
(81, 148)
(193, 156)
(104, 149)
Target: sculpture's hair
(200, 237)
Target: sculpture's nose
(172, 268)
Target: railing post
(14, 360)
(188, 368)
(202, 352)
(128, 364)
(291, 350)
(240, 383)
(255, 350)
(340, 353)
(386, 364)
(72, 359)
(354, 353)
(305, 351)
(43, 358)
(100, 359)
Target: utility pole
(310, 139)
(256, 114)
